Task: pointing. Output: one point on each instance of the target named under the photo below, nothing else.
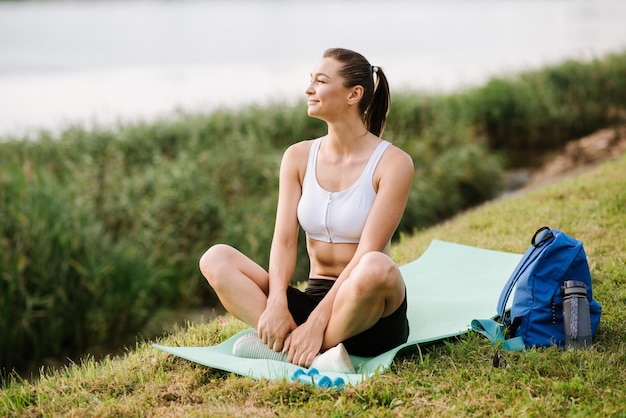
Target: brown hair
(357, 71)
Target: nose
(309, 90)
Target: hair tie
(374, 69)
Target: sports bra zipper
(328, 202)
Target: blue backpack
(536, 316)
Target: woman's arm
(276, 322)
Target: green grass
(451, 379)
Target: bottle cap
(573, 283)
(573, 287)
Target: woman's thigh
(369, 311)
(376, 279)
(385, 334)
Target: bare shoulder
(395, 170)
(296, 156)
(397, 160)
(299, 149)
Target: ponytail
(376, 113)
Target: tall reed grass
(65, 285)
(100, 228)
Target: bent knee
(377, 264)
(375, 270)
(214, 260)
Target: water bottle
(576, 319)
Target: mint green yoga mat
(448, 286)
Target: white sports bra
(337, 217)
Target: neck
(347, 136)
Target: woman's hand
(275, 324)
(304, 343)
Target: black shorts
(387, 333)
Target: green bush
(64, 286)
(544, 109)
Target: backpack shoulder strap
(537, 246)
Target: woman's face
(327, 96)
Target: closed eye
(319, 78)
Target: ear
(355, 95)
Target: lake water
(101, 61)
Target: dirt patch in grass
(578, 155)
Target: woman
(348, 190)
